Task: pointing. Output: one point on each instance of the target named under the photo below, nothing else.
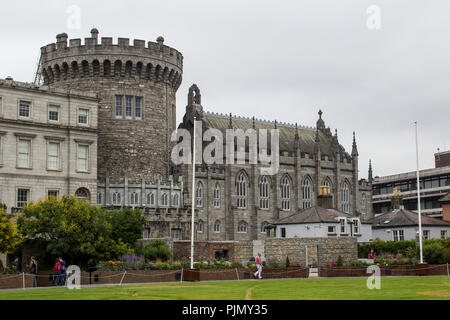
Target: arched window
(200, 226)
(164, 199)
(241, 191)
(286, 193)
(175, 200)
(99, 198)
(151, 199)
(199, 194)
(217, 226)
(116, 199)
(345, 197)
(327, 183)
(264, 226)
(217, 195)
(83, 194)
(363, 203)
(146, 233)
(307, 193)
(264, 192)
(134, 199)
(242, 227)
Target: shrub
(288, 263)
(340, 262)
(157, 249)
(432, 253)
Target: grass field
(392, 288)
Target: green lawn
(392, 288)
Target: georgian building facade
(48, 143)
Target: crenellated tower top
(144, 60)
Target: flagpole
(418, 196)
(193, 200)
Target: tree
(127, 225)
(157, 249)
(71, 228)
(9, 233)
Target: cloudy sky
(282, 60)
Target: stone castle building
(130, 91)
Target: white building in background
(401, 224)
(318, 222)
(48, 143)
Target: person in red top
(372, 254)
(57, 272)
(259, 266)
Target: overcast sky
(282, 60)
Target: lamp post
(418, 196)
(193, 199)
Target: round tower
(136, 84)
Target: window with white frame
(264, 192)
(83, 116)
(128, 106)
(53, 112)
(116, 198)
(146, 233)
(241, 191)
(356, 226)
(83, 193)
(134, 199)
(23, 153)
(200, 226)
(199, 193)
(426, 234)
(332, 229)
(164, 199)
(443, 234)
(175, 200)
(398, 235)
(242, 227)
(23, 196)
(176, 234)
(53, 161)
(343, 225)
(286, 193)
(53, 193)
(119, 106)
(24, 109)
(99, 198)
(151, 199)
(283, 232)
(345, 197)
(82, 158)
(217, 195)
(363, 203)
(138, 107)
(307, 193)
(217, 226)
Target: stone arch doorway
(83, 194)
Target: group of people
(59, 272)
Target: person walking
(259, 266)
(63, 276)
(33, 270)
(57, 272)
(91, 267)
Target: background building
(48, 143)
(434, 183)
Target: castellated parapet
(137, 87)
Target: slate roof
(307, 135)
(314, 214)
(404, 218)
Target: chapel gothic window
(286, 193)
(217, 195)
(241, 191)
(345, 197)
(242, 227)
(199, 194)
(364, 203)
(307, 193)
(264, 193)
